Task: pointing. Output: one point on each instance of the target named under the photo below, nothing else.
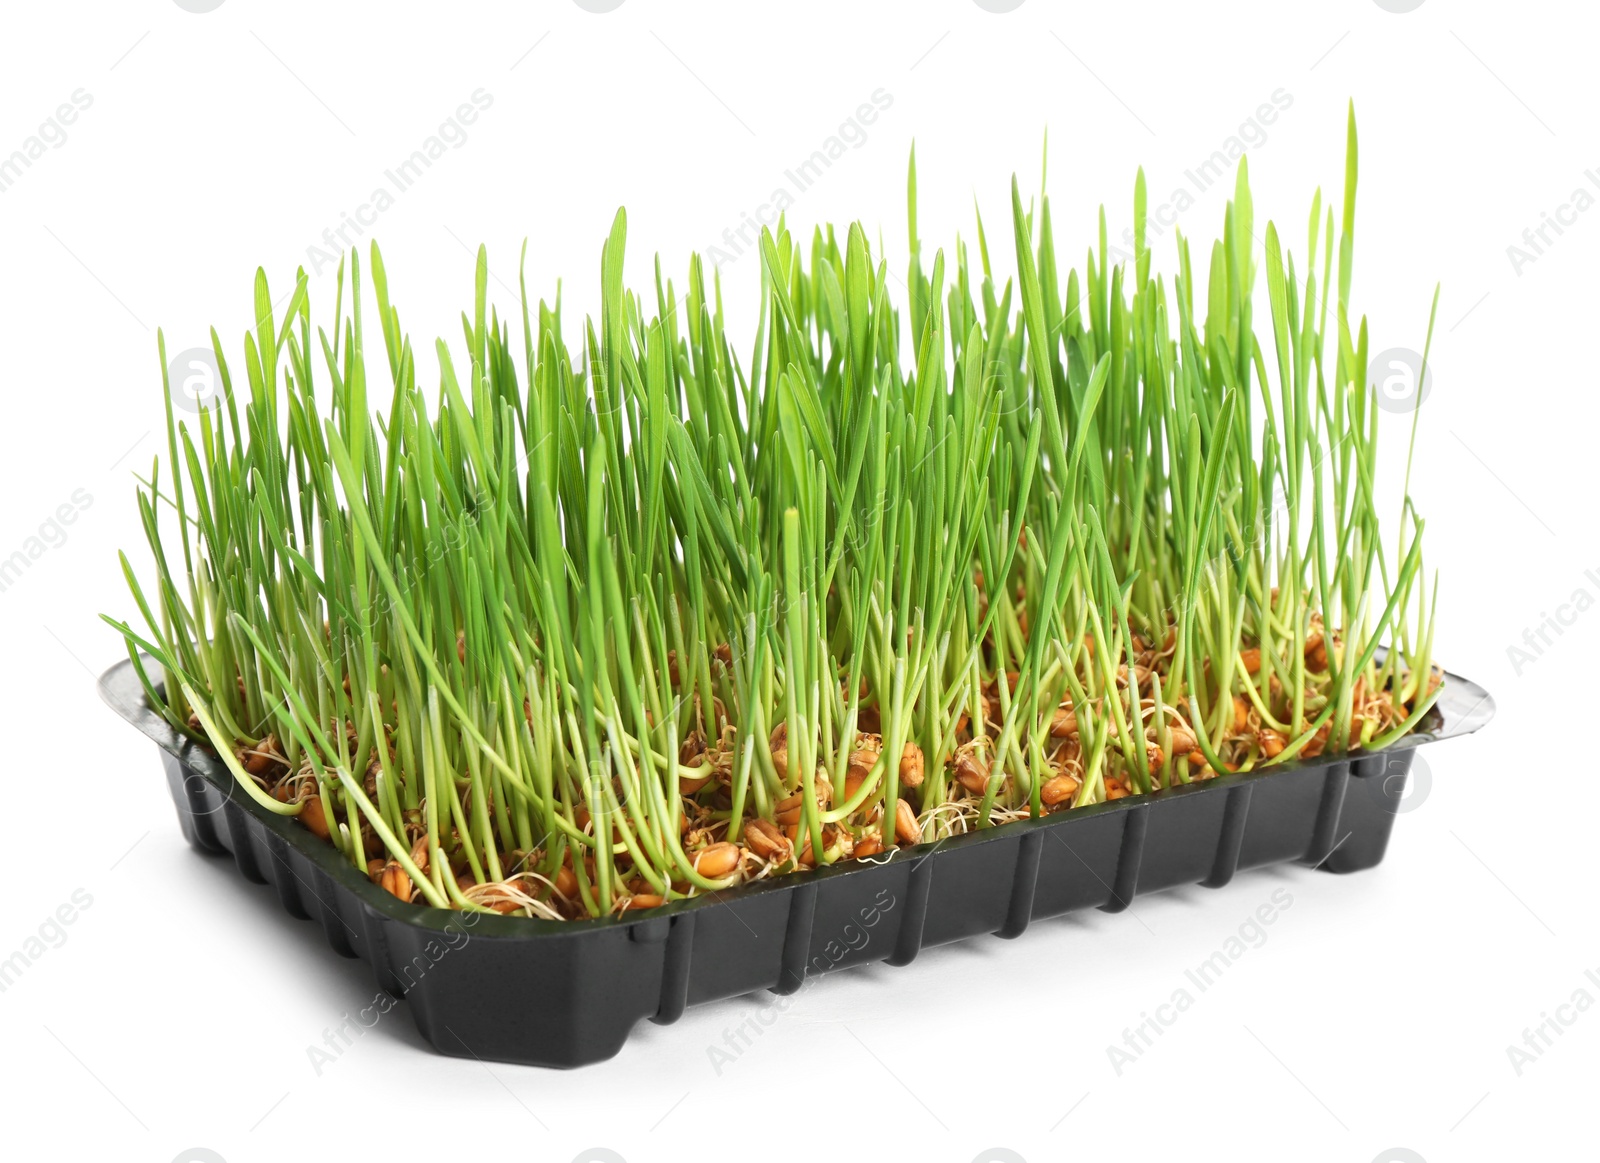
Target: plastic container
(553, 993)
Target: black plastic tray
(554, 993)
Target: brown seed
(906, 828)
(971, 771)
(375, 869)
(788, 810)
(724, 654)
(567, 882)
(868, 845)
(1316, 652)
(718, 860)
(1141, 675)
(1183, 740)
(807, 858)
(396, 882)
(911, 765)
(766, 840)
(1154, 757)
(792, 833)
(852, 783)
(258, 762)
(1357, 725)
(869, 720)
(780, 761)
(1058, 789)
(1272, 743)
(311, 816)
(1064, 723)
(644, 900)
(1066, 752)
(1251, 659)
(1241, 713)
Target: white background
(1377, 1013)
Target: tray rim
(1463, 707)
